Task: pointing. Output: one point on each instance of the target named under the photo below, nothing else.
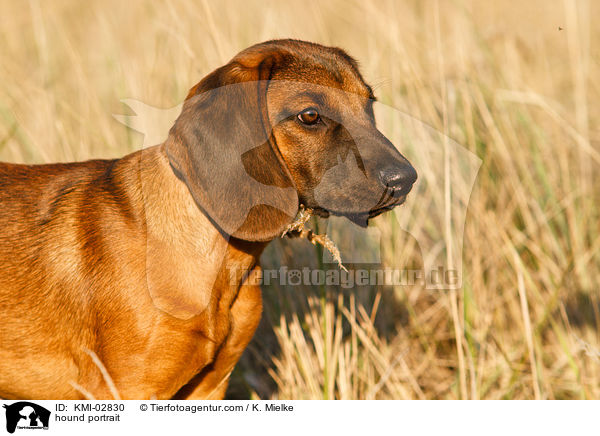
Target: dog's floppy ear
(221, 146)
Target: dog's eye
(309, 116)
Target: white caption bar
(298, 417)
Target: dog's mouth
(378, 211)
(361, 218)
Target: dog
(115, 275)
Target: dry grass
(500, 78)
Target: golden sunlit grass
(515, 83)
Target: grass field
(515, 83)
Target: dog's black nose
(401, 178)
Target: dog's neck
(183, 245)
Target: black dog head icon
(35, 416)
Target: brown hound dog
(129, 261)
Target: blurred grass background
(516, 83)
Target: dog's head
(285, 123)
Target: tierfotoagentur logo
(25, 415)
(348, 278)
